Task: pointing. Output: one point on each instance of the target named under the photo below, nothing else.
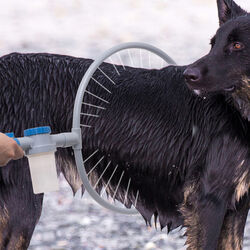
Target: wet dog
(174, 154)
(225, 70)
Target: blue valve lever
(39, 140)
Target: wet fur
(147, 129)
(241, 97)
(225, 70)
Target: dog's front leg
(203, 217)
(231, 237)
(207, 197)
(211, 212)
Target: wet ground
(85, 29)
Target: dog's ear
(228, 9)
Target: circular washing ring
(77, 111)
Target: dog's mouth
(200, 92)
(230, 89)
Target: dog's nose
(192, 75)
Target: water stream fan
(38, 141)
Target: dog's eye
(238, 46)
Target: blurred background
(84, 28)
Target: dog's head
(226, 68)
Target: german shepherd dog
(186, 158)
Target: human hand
(9, 150)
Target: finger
(4, 162)
(19, 153)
